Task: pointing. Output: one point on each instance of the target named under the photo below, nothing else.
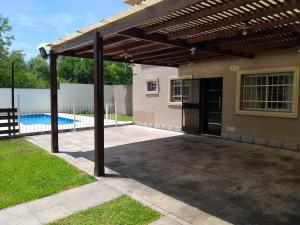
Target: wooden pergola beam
(283, 7)
(236, 40)
(89, 55)
(186, 60)
(273, 46)
(89, 47)
(179, 43)
(159, 53)
(143, 50)
(169, 56)
(232, 32)
(200, 14)
(118, 51)
(128, 47)
(260, 40)
(173, 57)
(200, 60)
(157, 38)
(265, 43)
(157, 10)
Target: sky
(37, 21)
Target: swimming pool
(43, 119)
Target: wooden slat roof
(172, 32)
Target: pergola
(173, 33)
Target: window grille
(272, 92)
(151, 86)
(179, 90)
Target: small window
(152, 87)
(267, 92)
(179, 91)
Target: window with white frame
(270, 92)
(152, 86)
(179, 91)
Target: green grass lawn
(28, 172)
(121, 211)
(124, 118)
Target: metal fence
(72, 118)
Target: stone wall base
(232, 137)
(262, 141)
(158, 126)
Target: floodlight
(43, 53)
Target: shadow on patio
(242, 184)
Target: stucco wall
(122, 94)
(38, 100)
(154, 109)
(284, 129)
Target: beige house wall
(154, 110)
(266, 128)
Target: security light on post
(42, 49)
(43, 53)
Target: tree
(66, 67)
(40, 68)
(24, 78)
(81, 71)
(35, 73)
(5, 40)
(116, 73)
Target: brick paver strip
(49, 209)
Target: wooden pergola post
(98, 104)
(54, 106)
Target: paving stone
(150, 153)
(165, 221)
(44, 203)
(24, 220)
(79, 204)
(5, 216)
(172, 217)
(95, 187)
(19, 210)
(52, 214)
(104, 196)
(215, 221)
(45, 210)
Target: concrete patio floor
(239, 183)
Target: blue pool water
(43, 119)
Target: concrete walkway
(49, 209)
(73, 147)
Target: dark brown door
(212, 106)
(191, 106)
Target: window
(179, 91)
(268, 92)
(152, 87)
